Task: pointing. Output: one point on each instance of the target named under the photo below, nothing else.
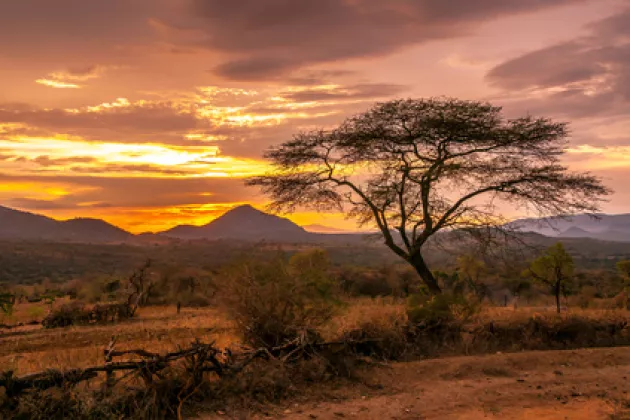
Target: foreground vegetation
(303, 318)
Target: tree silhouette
(417, 167)
(554, 269)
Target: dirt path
(578, 385)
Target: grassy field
(31, 348)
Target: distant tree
(553, 269)
(623, 267)
(7, 300)
(472, 271)
(414, 168)
(623, 298)
(140, 286)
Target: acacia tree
(554, 269)
(414, 168)
(472, 270)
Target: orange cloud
(57, 84)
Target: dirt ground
(587, 384)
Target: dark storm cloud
(589, 76)
(274, 37)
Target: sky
(150, 113)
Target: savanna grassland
(306, 332)
(463, 382)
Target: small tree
(139, 285)
(472, 270)
(623, 298)
(623, 267)
(7, 300)
(414, 168)
(553, 269)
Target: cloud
(588, 76)
(56, 84)
(69, 78)
(63, 26)
(359, 91)
(267, 40)
(120, 119)
(140, 192)
(80, 73)
(49, 161)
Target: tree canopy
(553, 269)
(415, 167)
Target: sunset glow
(153, 118)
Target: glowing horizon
(152, 116)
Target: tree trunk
(557, 292)
(426, 275)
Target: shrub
(67, 314)
(587, 296)
(274, 302)
(76, 313)
(382, 336)
(622, 300)
(438, 309)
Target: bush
(443, 308)
(586, 296)
(67, 314)
(381, 336)
(275, 302)
(622, 300)
(76, 313)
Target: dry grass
(160, 329)
(509, 314)
(381, 320)
(31, 348)
(28, 312)
(382, 311)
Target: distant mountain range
(245, 223)
(603, 227)
(15, 224)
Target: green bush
(276, 301)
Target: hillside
(603, 227)
(20, 225)
(244, 223)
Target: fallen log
(208, 359)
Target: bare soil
(587, 384)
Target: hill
(603, 227)
(317, 228)
(20, 225)
(245, 223)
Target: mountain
(20, 225)
(575, 232)
(244, 223)
(316, 228)
(604, 227)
